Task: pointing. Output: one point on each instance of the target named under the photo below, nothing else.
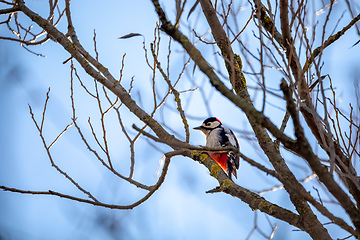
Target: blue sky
(180, 209)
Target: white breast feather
(212, 139)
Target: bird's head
(208, 125)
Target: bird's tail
(231, 169)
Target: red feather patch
(221, 159)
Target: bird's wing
(233, 141)
(231, 136)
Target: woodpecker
(218, 136)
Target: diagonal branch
(304, 149)
(95, 202)
(53, 164)
(96, 70)
(256, 119)
(307, 108)
(254, 201)
(196, 154)
(9, 10)
(328, 42)
(175, 92)
(268, 146)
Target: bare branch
(176, 95)
(303, 148)
(328, 42)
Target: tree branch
(304, 149)
(308, 111)
(9, 10)
(256, 119)
(254, 201)
(152, 189)
(102, 75)
(328, 42)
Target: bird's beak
(199, 128)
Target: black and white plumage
(218, 136)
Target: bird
(218, 136)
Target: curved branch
(328, 42)
(9, 10)
(306, 195)
(173, 91)
(308, 111)
(257, 119)
(53, 164)
(304, 149)
(217, 173)
(101, 74)
(263, 137)
(152, 190)
(255, 201)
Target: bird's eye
(207, 124)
